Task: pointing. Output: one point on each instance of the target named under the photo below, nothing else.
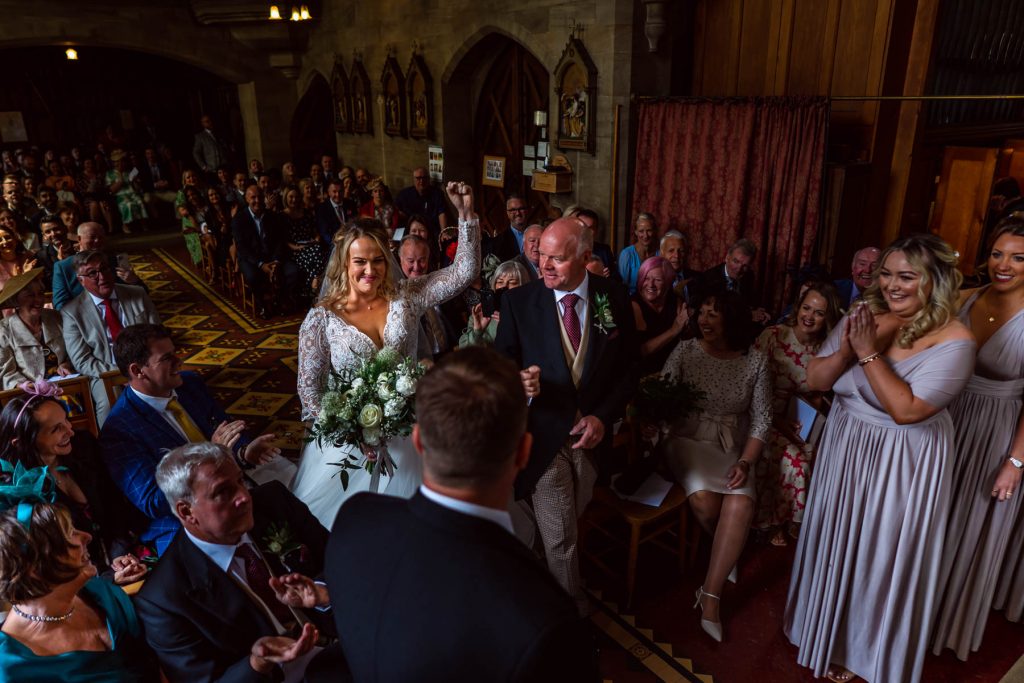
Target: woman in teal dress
(65, 624)
(188, 203)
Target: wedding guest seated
(530, 258)
(735, 275)
(482, 328)
(14, 258)
(331, 214)
(48, 207)
(601, 250)
(224, 602)
(380, 206)
(162, 408)
(35, 432)
(306, 249)
(595, 266)
(632, 257)
(783, 474)
(661, 317)
(437, 336)
(56, 246)
(91, 237)
(31, 340)
(261, 242)
(93, 320)
(675, 248)
(65, 623)
(711, 453)
(516, 624)
(862, 270)
(425, 199)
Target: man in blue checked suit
(162, 408)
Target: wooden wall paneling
(829, 43)
(962, 199)
(1011, 161)
(719, 25)
(808, 27)
(784, 47)
(756, 49)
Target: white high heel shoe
(712, 628)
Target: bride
(364, 309)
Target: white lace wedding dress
(327, 342)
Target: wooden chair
(113, 384)
(608, 515)
(77, 396)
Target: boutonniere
(281, 542)
(603, 318)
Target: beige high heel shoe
(712, 628)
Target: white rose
(357, 383)
(394, 407)
(370, 416)
(405, 385)
(384, 392)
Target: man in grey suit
(209, 150)
(94, 318)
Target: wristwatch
(1015, 462)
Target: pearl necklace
(43, 618)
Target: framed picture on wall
(342, 101)
(419, 88)
(494, 171)
(576, 90)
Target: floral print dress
(784, 470)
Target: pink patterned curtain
(721, 170)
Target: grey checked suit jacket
(85, 336)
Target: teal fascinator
(22, 488)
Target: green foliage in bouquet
(367, 406)
(662, 399)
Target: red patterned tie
(258, 577)
(571, 320)
(110, 316)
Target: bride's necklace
(43, 618)
(341, 305)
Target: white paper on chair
(652, 492)
(58, 377)
(278, 469)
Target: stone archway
(493, 90)
(312, 129)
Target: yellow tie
(185, 422)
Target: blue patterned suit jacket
(134, 439)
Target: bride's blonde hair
(336, 275)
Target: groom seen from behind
(573, 334)
(437, 588)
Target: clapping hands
(296, 590)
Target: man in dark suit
(507, 243)
(861, 270)
(437, 588)
(735, 274)
(159, 409)
(331, 215)
(530, 258)
(601, 250)
(261, 241)
(225, 603)
(573, 333)
(56, 246)
(209, 150)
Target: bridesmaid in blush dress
(989, 449)
(862, 595)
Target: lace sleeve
(314, 361)
(761, 398)
(439, 286)
(674, 363)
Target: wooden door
(516, 85)
(962, 199)
(312, 133)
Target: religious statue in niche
(393, 88)
(359, 93)
(419, 88)
(342, 101)
(576, 89)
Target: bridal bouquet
(365, 407)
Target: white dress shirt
(582, 291)
(500, 517)
(159, 404)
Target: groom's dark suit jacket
(202, 624)
(432, 594)
(529, 333)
